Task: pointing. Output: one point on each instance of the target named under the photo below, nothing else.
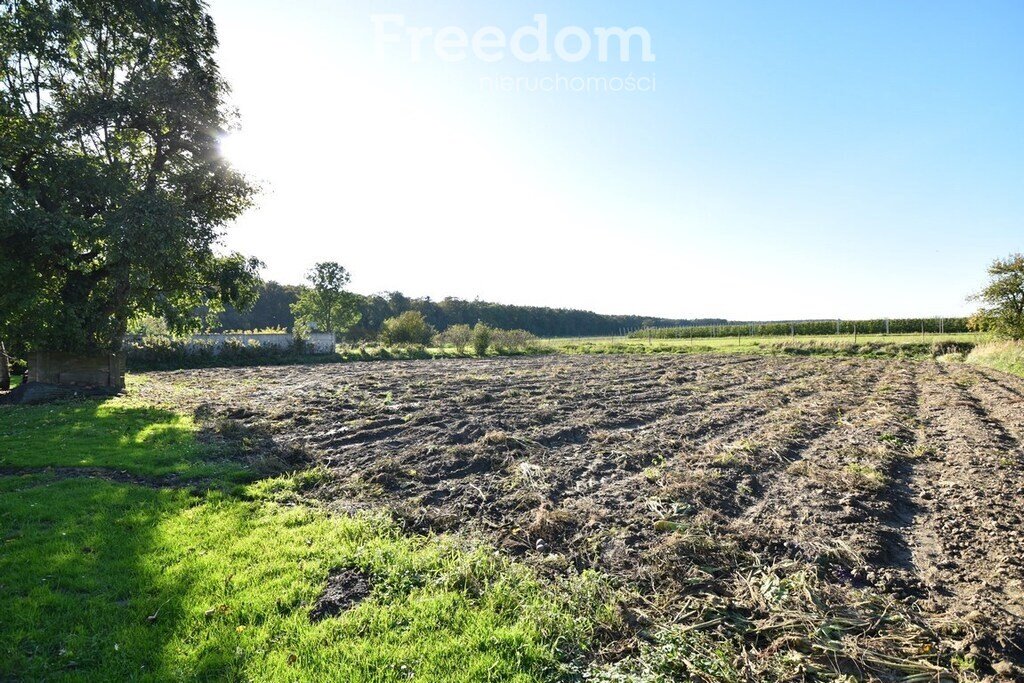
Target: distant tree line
(812, 327)
(273, 309)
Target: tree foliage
(483, 334)
(512, 341)
(1002, 299)
(325, 306)
(410, 328)
(272, 310)
(458, 336)
(113, 192)
(538, 320)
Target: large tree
(113, 192)
(1003, 299)
(325, 306)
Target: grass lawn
(118, 434)
(104, 580)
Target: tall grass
(1007, 356)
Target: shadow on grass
(107, 580)
(130, 441)
(79, 590)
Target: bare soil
(898, 484)
(346, 587)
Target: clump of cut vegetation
(854, 475)
(785, 622)
(865, 476)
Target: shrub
(459, 336)
(482, 336)
(408, 329)
(164, 353)
(506, 341)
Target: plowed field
(865, 515)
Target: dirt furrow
(1003, 408)
(968, 548)
(833, 490)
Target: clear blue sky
(796, 160)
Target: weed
(865, 476)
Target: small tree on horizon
(325, 305)
(1003, 299)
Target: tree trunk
(5, 369)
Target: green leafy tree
(483, 335)
(459, 336)
(325, 306)
(410, 328)
(271, 310)
(113, 193)
(1002, 299)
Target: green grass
(1005, 356)
(101, 580)
(910, 345)
(119, 434)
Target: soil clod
(346, 588)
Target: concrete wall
(104, 370)
(318, 342)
